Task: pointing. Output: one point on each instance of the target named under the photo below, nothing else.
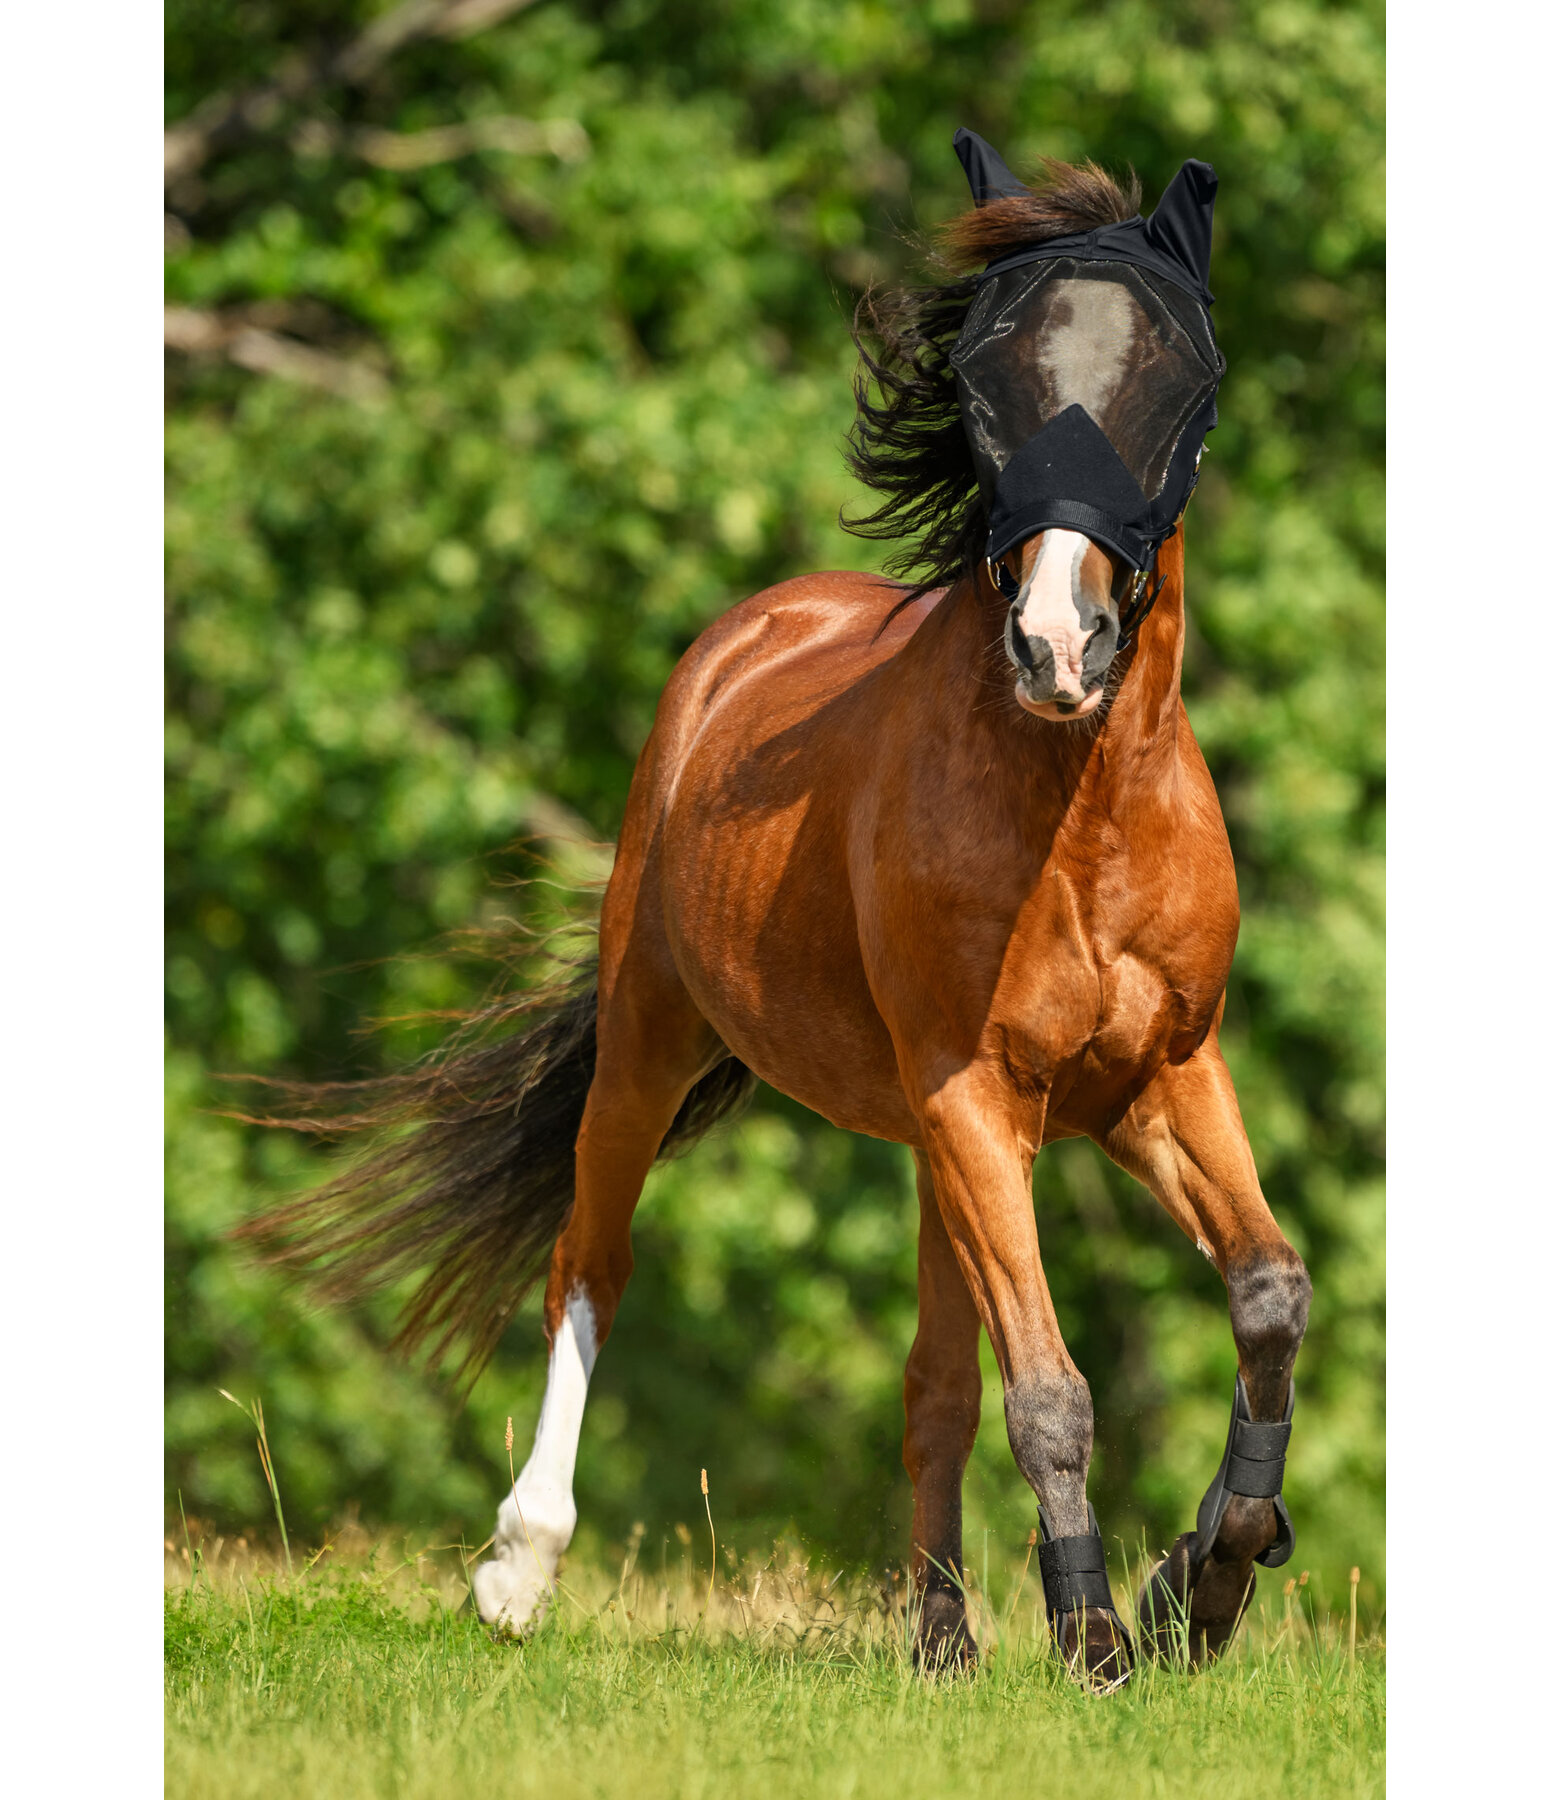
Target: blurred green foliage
(471, 442)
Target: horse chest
(1089, 1006)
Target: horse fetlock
(538, 1520)
(1248, 1526)
(1079, 1607)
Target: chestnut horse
(868, 858)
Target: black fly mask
(1087, 372)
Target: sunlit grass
(361, 1676)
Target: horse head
(1086, 372)
(1045, 415)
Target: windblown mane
(908, 440)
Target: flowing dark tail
(469, 1171)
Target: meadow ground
(361, 1676)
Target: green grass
(367, 1680)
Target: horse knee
(1268, 1301)
(1049, 1421)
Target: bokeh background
(507, 347)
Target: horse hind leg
(644, 1074)
(941, 1416)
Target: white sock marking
(537, 1519)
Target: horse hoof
(943, 1645)
(512, 1596)
(1095, 1652)
(1189, 1610)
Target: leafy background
(507, 347)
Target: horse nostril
(1101, 646)
(1017, 645)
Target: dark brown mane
(1067, 199)
(908, 441)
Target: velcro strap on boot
(1073, 1570)
(1256, 1462)
(1253, 1466)
(1076, 1583)
(1075, 1575)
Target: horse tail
(468, 1172)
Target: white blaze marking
(1046, 608)
(537, 1519)
(1084, 346)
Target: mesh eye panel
(1133, 351)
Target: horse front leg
(941, 1417)
(1184, 1138)
(980, 1158)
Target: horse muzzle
(1062, 661)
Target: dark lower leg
(1268, 1293)
(941, 1416)
(1268, 1299)
(1049, 1422)
(981, 1181)
(1186, 1140)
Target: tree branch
(264, 352)
(222, 120)
(563, 138)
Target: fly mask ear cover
(1087, 369)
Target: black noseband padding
(1038, 487)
